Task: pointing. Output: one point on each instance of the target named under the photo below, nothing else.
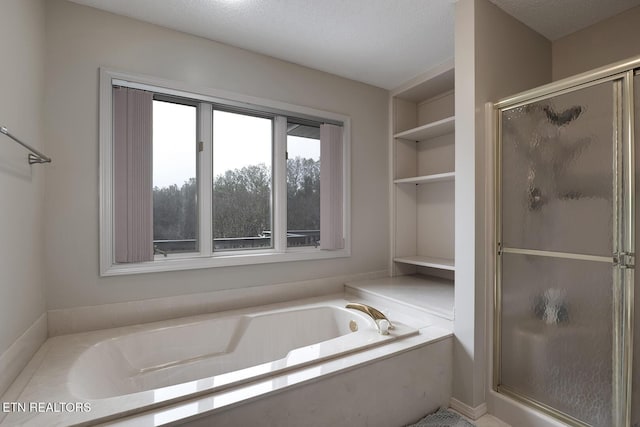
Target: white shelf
(428, 131)
(426, 261)
(438, 177)
(431, 294)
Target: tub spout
(381, 320)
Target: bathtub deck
(427, 294)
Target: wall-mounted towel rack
(35, 156)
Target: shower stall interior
(565, 235)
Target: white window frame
(206, 257)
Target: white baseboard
(16, 357)
(90, 318)
(468, 411)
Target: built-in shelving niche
(423, 180)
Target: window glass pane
(303, 185)
(175, 218)
(242, 159)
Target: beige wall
(81, 39)
(608, 41)
(505, 57)
(21, 186)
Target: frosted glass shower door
(556, 274)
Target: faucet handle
(384, 326)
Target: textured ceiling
(380, 42)
(557, 18)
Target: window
(175, 210)
(196, 180)
(303, 185)
(242, 154)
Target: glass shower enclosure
(565, 236)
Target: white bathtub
(124, 371)
(232, 349)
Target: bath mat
(442, 418)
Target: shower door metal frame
(621, 74)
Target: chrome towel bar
(35, 156)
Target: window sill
(223, 260)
